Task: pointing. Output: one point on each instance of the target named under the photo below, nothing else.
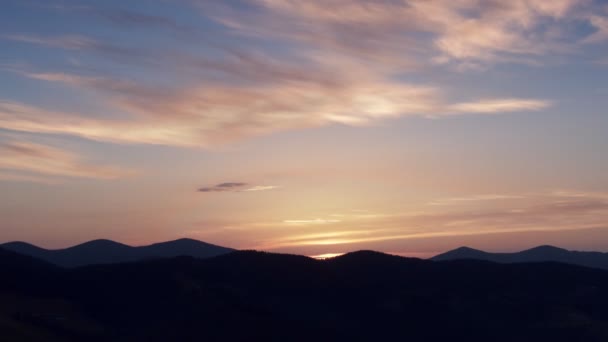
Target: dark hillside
(361, 296)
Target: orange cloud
(543, 212)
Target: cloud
(20, 177)
(223, 187)
(557, 211)
(326, 69)
(217, 113)
(76, 42)
(400, 34)
(452, 30)
(261, 188)
(236, 187)
(25, 118)
(230, 185)
(122, 17)
(69, 42)
(500, 106)
(495, 31)
(50, 161)
(475, 198)
(600, 23)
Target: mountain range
(109, 252)
(536, 254)
(257, 296)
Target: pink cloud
(50, 161)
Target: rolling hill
(108, 252)
(537, 254)
(256, 296)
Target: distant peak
(101, 242)
(184, 243)
(181, 241)
(366, 254)
(20, 246)
(465, 249)
(462, 252)
(185, 240)
(546, 248)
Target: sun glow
(326, 256)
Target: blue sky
(404, 126)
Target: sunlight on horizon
(326, 256)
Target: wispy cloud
(600, 23)
(69, 42)
(261, 188)
(556, 211)
(476, 198)
(236, 187)
(315, 221)
(223, 187)
(349, 68)
(500, 106)
(19, 176)
(461, 30)
(211, 114)
(76, 42)
(50, 161)
(123, 17)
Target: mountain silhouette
(25, 249)
(23, 273)
(537, 254)
(15, 262)
(107, 252)
(258, 296)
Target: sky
(309, 127)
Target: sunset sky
(309, 127)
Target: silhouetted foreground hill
(21, 271)
(254, 296)
(109, 252)
(537, 254)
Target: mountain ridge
(251, 295)
(542, 253)
(104, 251)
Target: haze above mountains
(108, 252)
